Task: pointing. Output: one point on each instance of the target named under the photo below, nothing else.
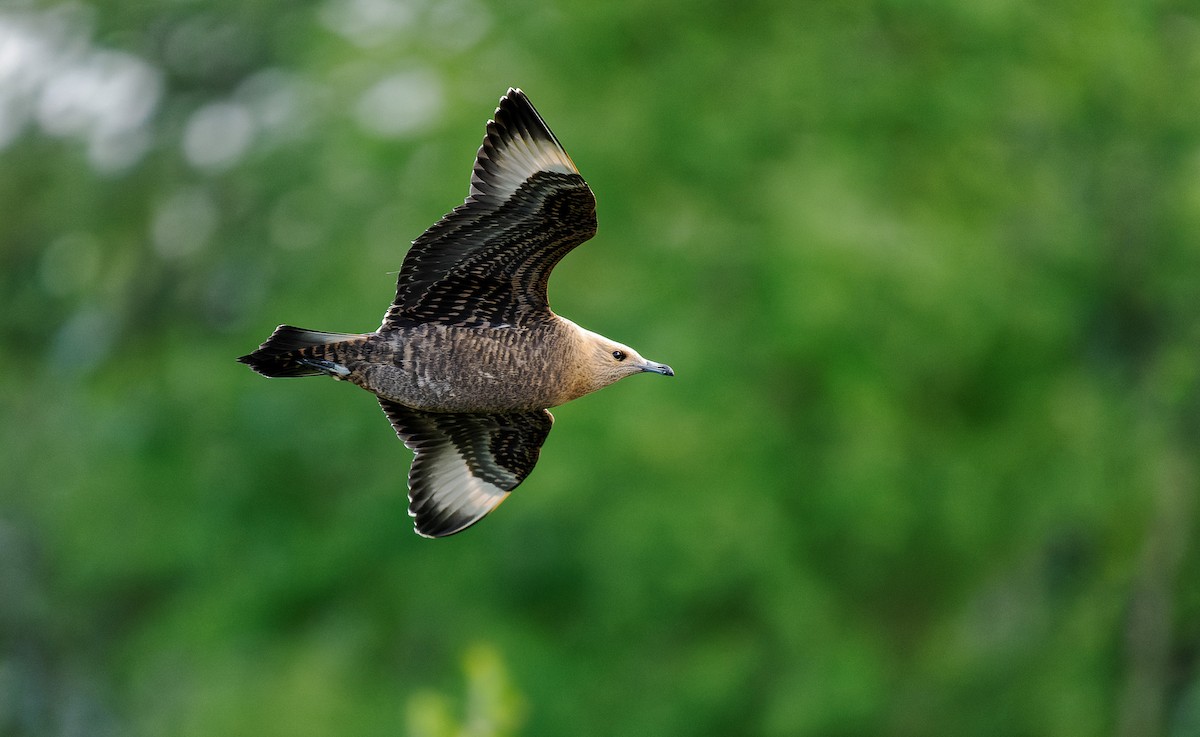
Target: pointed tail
(294, 351)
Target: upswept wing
(486, 263)
(465, 464)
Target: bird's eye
(619, 355)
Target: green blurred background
(929, 274)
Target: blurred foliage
(492, 708)
(928, 272)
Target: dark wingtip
(516, 115)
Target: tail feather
(292, 351)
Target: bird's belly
(494, 377)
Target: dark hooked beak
(658, 368)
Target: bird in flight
(469, 355)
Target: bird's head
(607, 361)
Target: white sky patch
(401, 104)
(25, 58)
(104, 93)
(51, 75)
(458, 25)
(368, 22)
(284, 105)
(218, 135)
